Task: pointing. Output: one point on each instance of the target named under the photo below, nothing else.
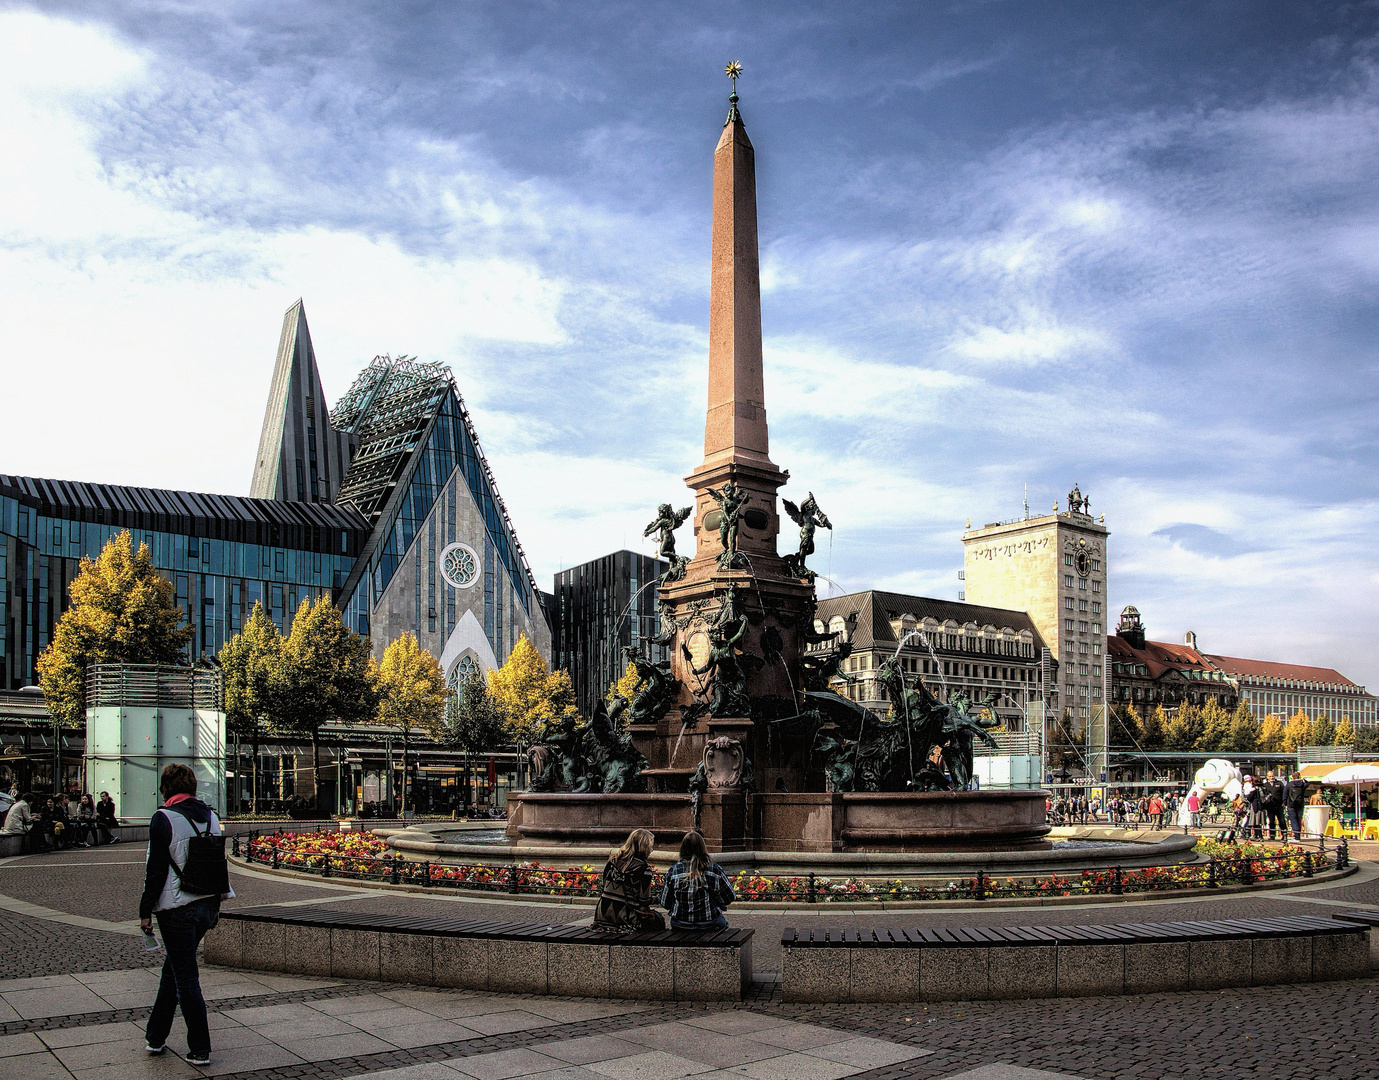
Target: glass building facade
(222, 553)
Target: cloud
(994, 253)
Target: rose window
(460, 566)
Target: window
(1096, 586)
(1067, 560)
(1067, 581)
(57, 535)
(1067, 624)
(1082, 605)
(1082, 583)
(1096, 670)
(1096, 649)
(1096, 607)
(1082, 627)
(1096, 627)
(1082, 646)
(1082, 669)
(1096, 564)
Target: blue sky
(1132, 246)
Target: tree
(1185, 729)
(1298, 731)
(1216, 728)
(1271, 734)
(1323, 731)
(326, 675)
(411, 693)
(1126, 728)
(1244, 737)
(1345, 733)
(122, 611)
(252, 665)
(625, 685)
(1367, 740)
(473, 721)
(529, 693)
(1155, 729)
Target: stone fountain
(740, 734)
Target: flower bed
(364, 856)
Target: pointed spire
(733, 70)
(735, 428)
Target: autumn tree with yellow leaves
(251, 664)
(530, 694)
(411, 694)
(122, 611)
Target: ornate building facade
(959, 648)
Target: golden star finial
(733, 70)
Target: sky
(1004, 245)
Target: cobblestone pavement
(74, 995)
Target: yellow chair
(1370, 831)
(1333, 828)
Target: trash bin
(1314, 819)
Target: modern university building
(385, 503)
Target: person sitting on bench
(697, 890)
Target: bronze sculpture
(728, 685)
(808, 517)
(668, 519)
(656, 688)
(732, 500)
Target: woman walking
(697, 890)
(625, 892)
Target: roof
(875, 609)
(1159, 656)
(305, 526)
(1267, 669)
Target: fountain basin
(933, 821)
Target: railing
(153, 686)
(273, 850)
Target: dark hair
(177, 780)
(27, 797)
(693, 852)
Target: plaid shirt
(696, 902)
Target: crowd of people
(1270, 805)
(1156, 810)
(65, 820)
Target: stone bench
(513, 957)
(12, 844)
(990, 962)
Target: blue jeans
(182, 929)
(720, 923)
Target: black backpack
(206, 872)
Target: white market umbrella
(1357, 773)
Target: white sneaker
(154, 1049)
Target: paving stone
(797, 1067)
(1009, 1072)
(505, 1064)
(591, 1048)
(867, 1053)
(653, 1065)
(698, 1044)
(499, 1023)
(24, 1043)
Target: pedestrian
(1194, 809)
(105, 819)
(1156, 810)
(1295, 797)
(696, 891)
(1271, 796)
(183, 885)
(1254, 810)
(625, 890)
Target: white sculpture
(1217, 777)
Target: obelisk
(746, 591)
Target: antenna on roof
(1027, 500)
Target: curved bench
(524, 958)
(990, 962)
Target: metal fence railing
(279, 850)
